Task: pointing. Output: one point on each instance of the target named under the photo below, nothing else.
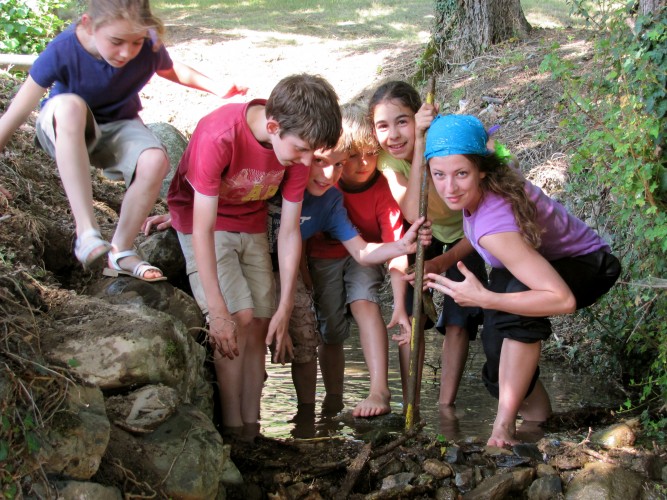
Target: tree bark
(650, 6)
(467, 28)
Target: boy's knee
(243, 318)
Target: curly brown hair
(506, 180)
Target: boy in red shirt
(238, 157)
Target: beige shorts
(114, 147)
(244, 272)
(302, 323)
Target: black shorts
(589, 277)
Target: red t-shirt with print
(224, 159)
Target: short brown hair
(306, 106)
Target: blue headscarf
(456, 135)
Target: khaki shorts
(114, 147)
(336, 284)
(302, 323)
(244, 272)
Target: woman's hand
(467, 293)
(222, 335)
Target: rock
(188, 452)
(143, 410)
(161, 296)
(545, 470)
(121, 346)
(436, 468)
(175, 143)
(603, 480)
(615, 436)
(453, 455)
(230, 474)
(522, 478)
(75, 490)
(527, 450)
(397, 480)
(163, 250)
(465, 479)
(77, 436)
(446, 493)
(545, 488)
(494, 488)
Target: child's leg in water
(453, 358)
(374, 343)
(518, 362)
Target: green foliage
(26, 26)
(617, 116)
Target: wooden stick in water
(415, 338)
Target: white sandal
(138, 272)
(90, 246)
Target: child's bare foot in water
(373, 406)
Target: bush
(617, 115)
(26, 26)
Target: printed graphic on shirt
(250, 185)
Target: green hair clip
(502, 152)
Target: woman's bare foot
(503, 435)
(373, 406)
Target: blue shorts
(336, 284)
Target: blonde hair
(358, 133)
(136, 12)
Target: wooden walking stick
(415, 337)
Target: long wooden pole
(415, 338)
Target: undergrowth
(618, 183)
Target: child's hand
(424, 117)
(159, 222)
(278, 336)
(422, 227)
(467, 293)
(400, 318)
(222, 335)
(235, 90)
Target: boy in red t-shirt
(238, 157)
(340, 282)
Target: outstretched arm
(366, 253)
(24, 102)
(185, 75)
(548, 294)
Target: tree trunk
(466, 28)
(650, 6)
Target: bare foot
(503, 436)
(372, 406)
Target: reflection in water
(475, 408)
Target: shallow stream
(475, 408)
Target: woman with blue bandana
(544, 262)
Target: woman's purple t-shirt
(563, 234)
